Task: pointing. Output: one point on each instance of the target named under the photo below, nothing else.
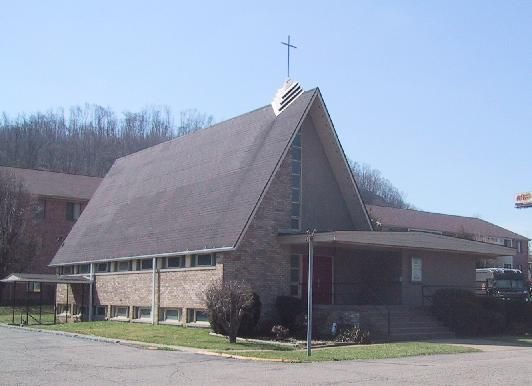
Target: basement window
(197, 316)
(144, 313)
(121, 312)
(99, 312)
(171, 315)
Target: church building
(234, 202)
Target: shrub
(248, 324)
(467, 314)
(280, 332)
(291, 313)
(227, 302)
(353, 335)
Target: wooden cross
(288, 46)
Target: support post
(27, 305)
(310, 239)
(40, 302)
(13, 296)
(55, 303)
(91, 292)
(67, 308)
(154, 278)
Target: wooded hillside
(88, 139)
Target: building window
(34, 287)
(84, 268)
(120, 312)
(508, 243)
(102, 267)
(197, 316)
(295, 151)
(416, 269)
(518, 245)
(295, 272)
(508, 266)
(99, 312)
(73, 211)
(123, 266)
(39, 209)
(67, 270)
(143, 312)
(175, 262)
(205, 260)
(172, 315)
(144, 265)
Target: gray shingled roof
(192, 193)
(417, 219)
(51, 184)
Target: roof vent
(288, 93)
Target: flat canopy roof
(402, 240)
(45, 278)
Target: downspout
(91, 288)
(154, 278)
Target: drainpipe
(154, 278)
(91, 300)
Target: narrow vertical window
(295, 272)
(295, 151)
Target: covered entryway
(386, 268)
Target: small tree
(17, 244)
(227, 302)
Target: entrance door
(322, 280)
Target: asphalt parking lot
(35, 358)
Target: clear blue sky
(437, 95)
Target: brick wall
(260, 260)
(50, 231)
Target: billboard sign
(523, 200)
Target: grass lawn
(364, 352)
(200, 338)
(161, 334)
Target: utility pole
(310, 240)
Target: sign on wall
(416, 269)
(523, 200)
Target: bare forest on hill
(86, 140)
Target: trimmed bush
(248, 324)
(280, 332)
(467, 314)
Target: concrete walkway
(30, 357)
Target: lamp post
(310, 240)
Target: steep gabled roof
(193, 193)
(416, 219)
(51, 184)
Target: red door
(321, 281)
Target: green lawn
(169, 335)
(365, 352)
(47, 316)
(200, 338)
